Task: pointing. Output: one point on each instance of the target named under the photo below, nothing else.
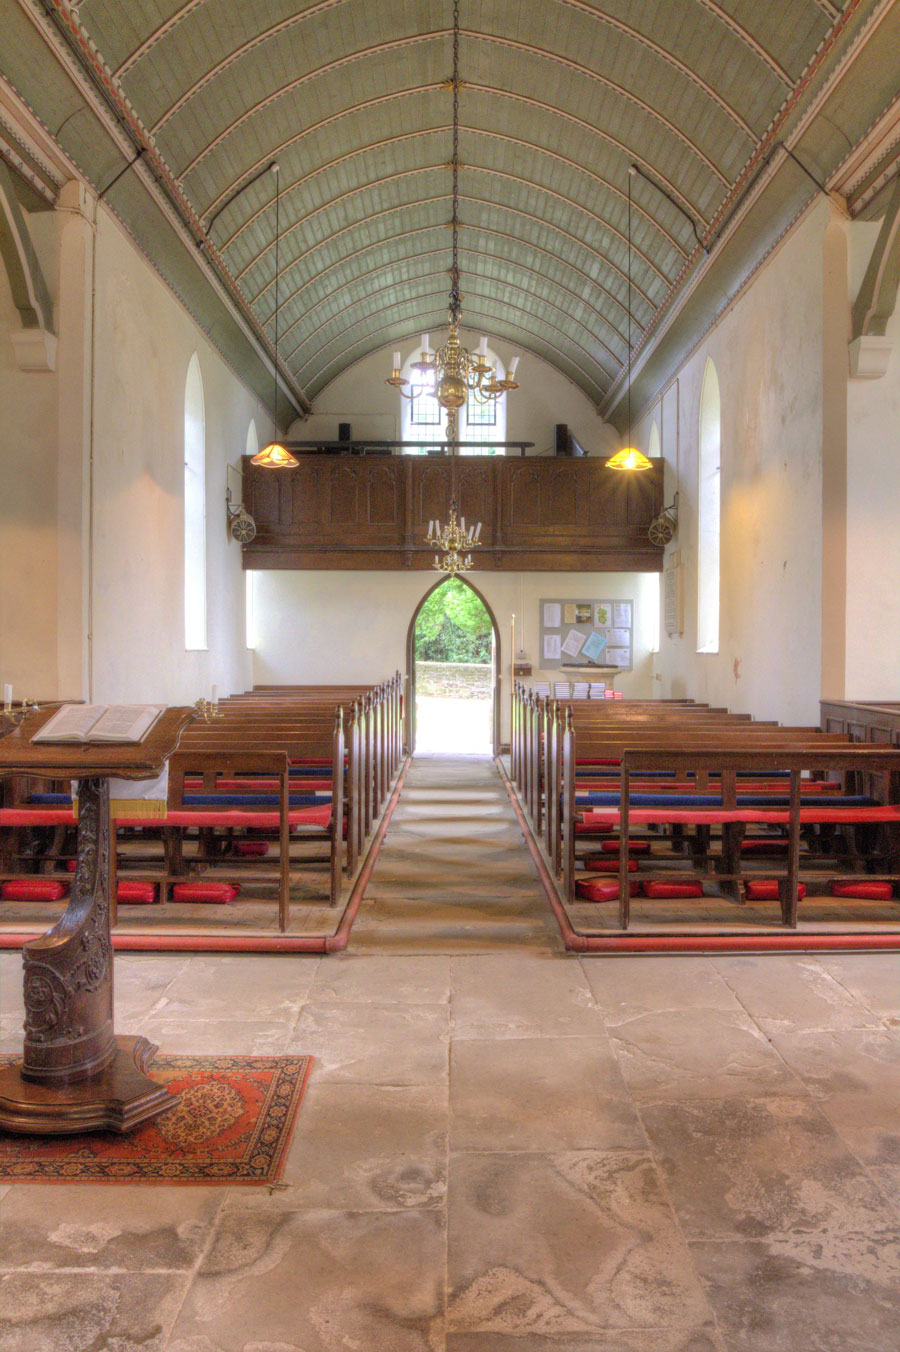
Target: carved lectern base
(119, 1098)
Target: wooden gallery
(450, 666)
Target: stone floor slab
(88, 1311)
(105, 1228)
(570, 1243)
(384, 980)
(510, 996)
(318, 1282)
(540, 1094)
(792, 994)
(626, 987)
(374, 1043)
(260, 986)
(362, 1147)
(749, 1168)
(793, 1293)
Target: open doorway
(454, 661)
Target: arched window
(653, 450)
(249, 618)
(194, 509)
(709, 499)
(423, 419)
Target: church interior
(450, 659)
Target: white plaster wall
(320, 626)
(144, 342)
(544, 398)
(768, 354)
(28, 498)
(873, 510)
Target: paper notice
(569, 612)
(619, 638)
(622, 614)
(551, 647)
(574, 643)
(603, 614)
(618, 657)
(584, 614)
(594, 646)
(552, 614)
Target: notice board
(582, 633)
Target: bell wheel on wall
(243, 528)
(663, 527)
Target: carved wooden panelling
(537, 513)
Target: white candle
(477, 530)
(512, 368)
(482, 346)
(463, 524)
(215, 694)
(7, 695)
(397, 361)
(425, 337)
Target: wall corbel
(35, 343)
(870, 350)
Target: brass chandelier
(453, 539)
(455, 371)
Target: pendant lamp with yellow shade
(275, 456)
(629, 458)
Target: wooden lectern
(75, 1074)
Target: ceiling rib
(418, 230)
(533, 248)
(474, 312)
(283, 25)
(426, 276)
(430, 169)
(379, 48)
(423, 201)
(630, 152)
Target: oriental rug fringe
(232, 1124)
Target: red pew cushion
(133, 893)
(608, 865)
(673, 889)
(592, 828)
(766, 889)
(869, 891)
(634, 847)
(33, 889)
(600, 889)
(37, 816)
(217, 894)
(764, 846)
(251, 848)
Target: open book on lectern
(100, 723)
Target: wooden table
(75, 1074)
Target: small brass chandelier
(456, 372)
(453, 539)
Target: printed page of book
(71, 723)
(125, 723)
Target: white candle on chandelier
(397, 363)
(7, 696)
(477, 530)
(425, 338)
(511, 373)
(462, 523)
(482, 347)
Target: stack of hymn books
(119, 723)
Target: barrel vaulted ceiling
(558, 98)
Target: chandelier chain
(455, 304)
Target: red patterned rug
(232, 1124)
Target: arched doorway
(465, 720)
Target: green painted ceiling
(559, 97)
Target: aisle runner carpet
(232, 1124)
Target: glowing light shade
(275, 456)
(629, 458)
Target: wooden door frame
(411, 667)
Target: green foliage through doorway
(453, 626)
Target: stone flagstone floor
(502, 1148)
